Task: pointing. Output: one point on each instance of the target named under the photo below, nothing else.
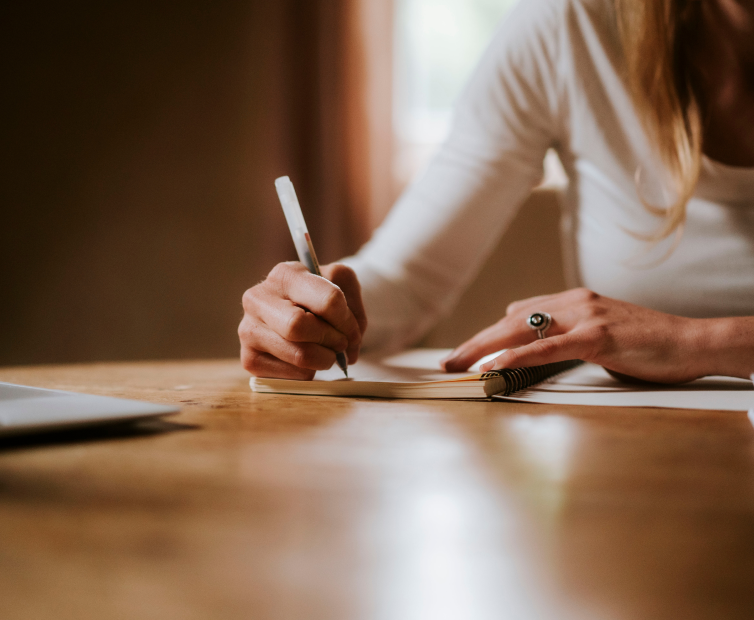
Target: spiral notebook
(417, 374)
(413, 374)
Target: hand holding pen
(295, 322)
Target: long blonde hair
(655, 36)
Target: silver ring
(540, 322)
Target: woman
(650, 104)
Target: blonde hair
(655, 36)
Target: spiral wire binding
(520, 378)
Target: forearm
(396, 318)
(439, 233)
(726, 346)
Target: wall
(139, 149)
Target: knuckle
(248, 301)
(244, 330)
(307, 357)
(546, 346)
(600, 331)
(512, 308)
(334, 298)
(295, 328)
(283, 272)
(250, 360)
(285, 278)
(302, 357)
(596, 310)
(247, 331)
(277, 272)
(600, 337)
(586, 295)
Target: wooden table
(263, 506)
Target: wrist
(726, 346)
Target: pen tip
(342, 362)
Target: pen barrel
(305, 251)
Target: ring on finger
(540, 322)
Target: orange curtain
(335, 116)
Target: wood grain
(264, 506)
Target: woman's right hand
(294, 321)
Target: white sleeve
(442, 229)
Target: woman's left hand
(624, 338)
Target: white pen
(301, 239)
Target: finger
(318, 295)
(573, 345)
(295, 324)
(261, 364)
(505, 333)
(346, 279)
(513, 330)
(257, 336)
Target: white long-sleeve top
(552, 78)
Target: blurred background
(141, 141)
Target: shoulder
(547, 31)
(556, 37)
(546, 34)
(531, 19)
(539, 51)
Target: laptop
(26, 409)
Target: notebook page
(592, 385)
